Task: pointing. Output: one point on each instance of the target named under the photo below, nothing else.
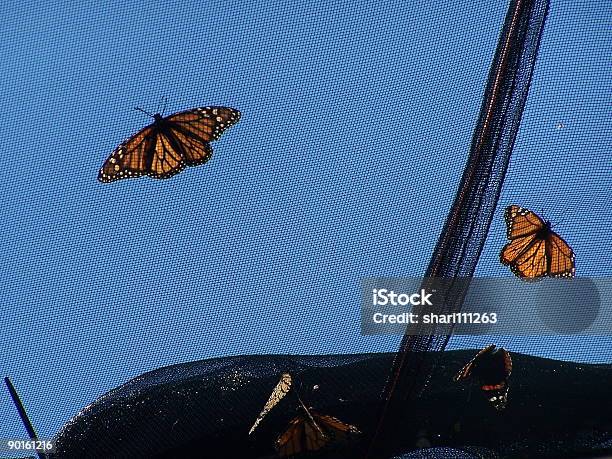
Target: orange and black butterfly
(169, 144)
(491, 368)
(311, 431)
(535, 250)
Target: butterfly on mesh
(535, 250)
(491, 368)
(310, 431)
(278, 393)
(168, 145)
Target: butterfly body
(308, 431)
(535, 250)
(159, 126)
(312, 431)
(169, 144)
(491, 367)
(544, 232)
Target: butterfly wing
(128, 159)
(531, 264)
(291, 442)
(167, 156)
(521, 222)
(507, 362)
(492, 373)
(466, 371)
(205, 123)
(302, 435)
(523, 251)
(315, 437)
(151, 152)
(497, 394)
(561, 258)
(335, 428)
(534, 251)
(197, 127)
(194, 151)
(166, 147)
(515, 249)
(311, 431)
(280, 390)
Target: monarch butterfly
(492, 368)
(168, 145)
(280, 390)
(535, 250)
(311, 431)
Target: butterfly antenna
(309, 414)
(22, 413)
(304, 407)
(165, 99)
(300, 400)
(297, 391)
(558, 223)
(143, 111)
(563, 215)
(297, 394)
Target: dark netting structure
(185, 371)
(189, 410)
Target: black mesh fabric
(205, 409)
(467, 225)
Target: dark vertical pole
(22, 413)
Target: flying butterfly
(280, 390)
(535, 250)
(492, 368)
(311, 431)
(168, 145)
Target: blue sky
(356, 124)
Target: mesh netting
(467, 225)
(361, 152)
(206, 408)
